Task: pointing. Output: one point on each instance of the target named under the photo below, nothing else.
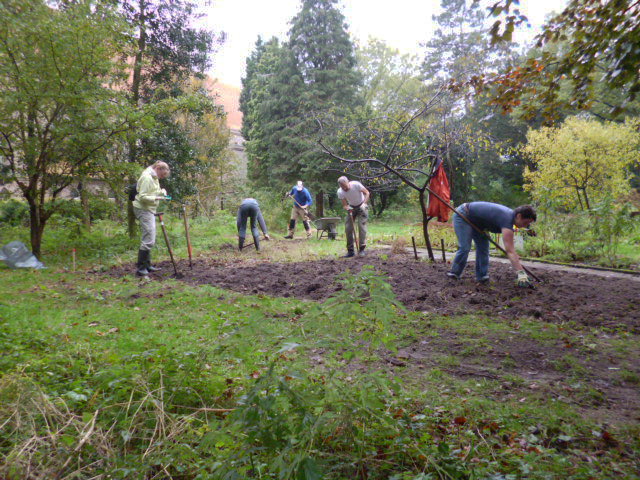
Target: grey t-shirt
(491, 216)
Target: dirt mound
(582, 299)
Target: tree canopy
(580, 162)
(288, 86)
(598, 39)
(58, 114)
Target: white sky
(402, 24)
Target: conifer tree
(311, 75)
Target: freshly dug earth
(582, 299)
(607, 390)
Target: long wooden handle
(166, 239)
(309, 214)
(353, 227)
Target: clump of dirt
(583, 299)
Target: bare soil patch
(580, 299)
(566, 370)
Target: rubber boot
(361, 252)
(240, 243)
(256, 242)
(307, 228)
(151, 268)
(141, 270)
(292, 229)
(349, 254)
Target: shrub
(14, 212)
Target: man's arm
(507, 237)
(263, 226)
(345, 204)
(147, 193)
(366, 194)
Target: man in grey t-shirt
(354, 199)
(495, 218)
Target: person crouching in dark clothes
(249, 208)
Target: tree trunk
(586, 199)
(135, 98)
(320, 204)
(131, 218)
(425, 225)
(579, 198)
(36, 228)
(384, 202)
(372, 202)
(84, 201)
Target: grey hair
(160, 164)
(343, 179)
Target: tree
(200, 137)
(458, 47)
(168, 52)
(271, 105)
(389, 79)
(58, 115)
(323, 53)
(311, 74)
(599, 40)
(459, 52)
(248, 85)
(401, 151)
(580, 162)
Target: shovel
(464, 217)
(355, 233)
(166, 240)
(309, 214)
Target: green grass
(128, 379)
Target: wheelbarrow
(327, 225)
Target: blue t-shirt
(491, 216)
(303, 197)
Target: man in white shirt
(354, 200)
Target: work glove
(523, 279)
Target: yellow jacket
(148, 188)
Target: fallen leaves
(460, 420)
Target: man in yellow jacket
(144, 207)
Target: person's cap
(299, 186)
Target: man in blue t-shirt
(496, 219)
(301, 203)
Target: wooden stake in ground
(444, 257)
(415, 251)
(186, 231)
